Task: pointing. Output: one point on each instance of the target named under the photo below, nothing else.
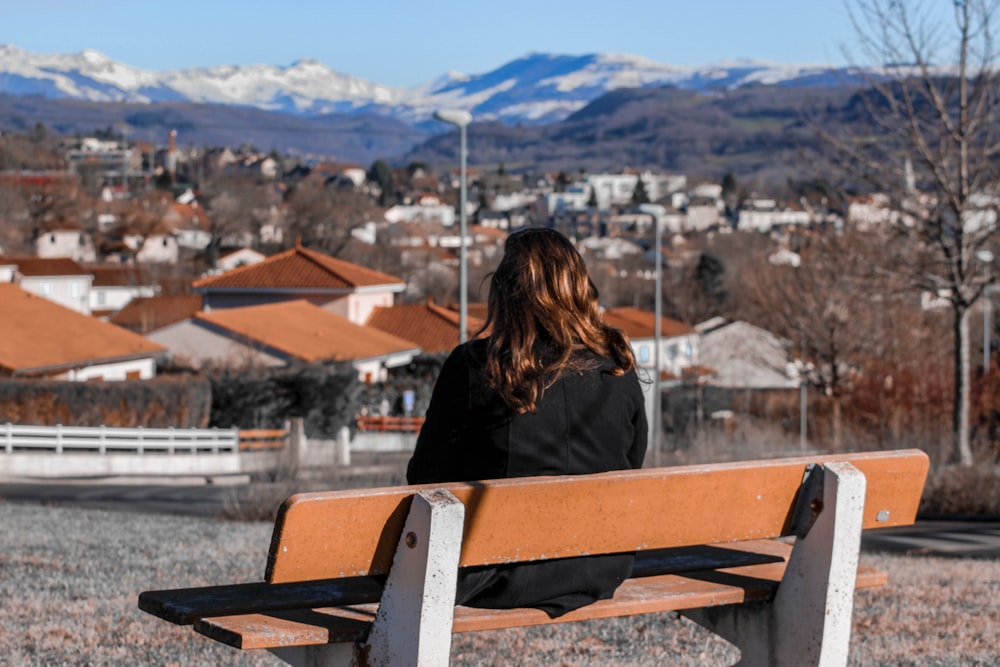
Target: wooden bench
(764, 553)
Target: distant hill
(755, 132)
(354, 138)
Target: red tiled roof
(146, 314)
(298, 268)
(303, 330)
(434, 328)
(28, 265)
(637, 323)
(37, 336)
(117, 275)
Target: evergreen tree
(381, 174)
(639, 195)
(592, 199)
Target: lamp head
(456, 117)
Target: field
(69, 579)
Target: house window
(688, 349)
(74, 290)
(133, 375)
(672, 352)
(102, 297)
(164, 243)
(52, 239)
(47, 288)
(644, 354)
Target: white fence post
(59, 449)
(102, 443)
(9, 439)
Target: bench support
(809, 621)
(414, 619)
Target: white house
(66, 241)
(58, 279)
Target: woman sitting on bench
(544, 388)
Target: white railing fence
(107, 440)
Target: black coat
(587, 421)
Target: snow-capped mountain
(537, 88)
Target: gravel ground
(70, 577)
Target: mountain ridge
(537, 88)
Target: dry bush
(961, 491)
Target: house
(39, 338)
(434, 328)
(744, 356)
(146, 314)
(428, 208)
(277, 334)
(340, 287)
(66, 240)
(115, 285)
(678, 341)
(58, 279)
(237, 258)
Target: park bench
(764, 553)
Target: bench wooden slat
(669, 592)
(352, 533)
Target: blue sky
(407, 42)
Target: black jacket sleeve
(435, 457)
(640, 434)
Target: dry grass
(69, 579)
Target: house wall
(74, 244)
(116, 297)
(357, 307)
(158, 249)
(71, 292)
(195, 346)
(137, 369)
(676, 353)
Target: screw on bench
(411, 539)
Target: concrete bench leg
(809, 621)
(413, 624)
(414, 620)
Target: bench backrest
(351, 533)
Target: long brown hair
(542, 309)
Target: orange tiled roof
(39, 336)
(434, 328)
(638, 323)
(146, 314)
(298, 268)
(303, 330)
(118, 275)
(28, 265)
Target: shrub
(962, 491)
(182, 402)
(325, 396)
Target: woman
(549, 390)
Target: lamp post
(460, 119)
(986, 257)
(657, 212)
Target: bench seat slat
(185, 605)
(665, 592)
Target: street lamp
(460, 119)
(657, 212)
(986, 257)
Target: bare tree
(926, 136)
(237, 207)
(323, 215)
